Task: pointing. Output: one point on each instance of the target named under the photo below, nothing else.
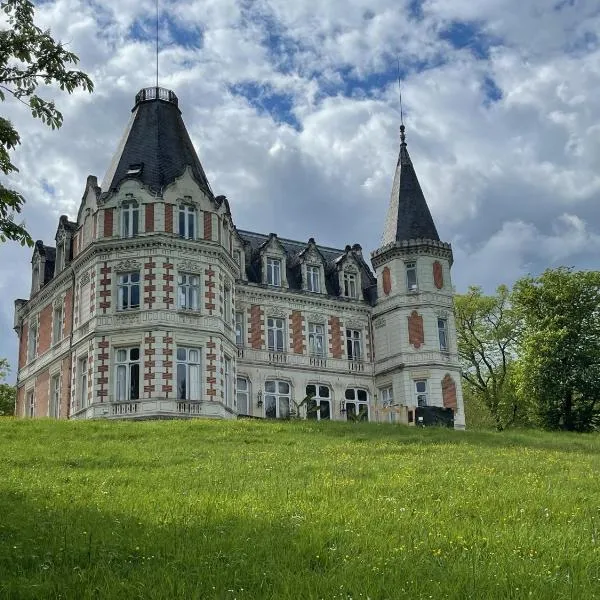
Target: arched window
(277, 399)
(357, 404)
(319, 402)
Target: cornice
(411, 247)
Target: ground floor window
(357, 404)
(228, 381)
(188, 373)
(53, 409)
(319, 404)
(421, 391)
(30, 405)
(127, 374)
(243, 396)
(277, 399)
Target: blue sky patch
(469, 36)
(492, 92)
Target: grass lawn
(205, 509)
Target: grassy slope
(295, 510)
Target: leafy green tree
(8, 393)
(486, 328)
(559, 349)
(29, 57)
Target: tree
(486, 328)
(29, 57)
(8, 393)
(559, 362)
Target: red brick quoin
(449, 392)
(416, 335)
(387, 281)
(438, 275)
(335, 337)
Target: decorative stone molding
(379, 323)
(130, 319)
(316, 318)
(276, 311)
(190, 266)
(128, 265)
(85, 278)
(355, 324)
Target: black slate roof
(409, 217)
(49, 253)
(157, 144)
(255, 241)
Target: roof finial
(156, 44)
(402, 128)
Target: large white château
(153, 304)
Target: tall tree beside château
(559, 349)
(29, 57)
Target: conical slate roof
(408, 216)
(156, 147)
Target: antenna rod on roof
(157, 44)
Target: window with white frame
(354, 344)
(187, 222)
(350, 284)
(127, 374)
(227, 305)
(275, 334)
(243, 396)
(239, 328)
(30, 404)
(82, 381)
(443, 333)
(357, 404)
(421, 391)
(386, 397)
(228, 381)
(57, 324)
(32, 339)
(130, 217)
(128, 292)
(316, 339)
(313, 278)
(319, 402)
(277, 399)
(188, 373)
(54, 405)
(188, 291)
(274, 271)
(411, 276)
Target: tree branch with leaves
(29, 57)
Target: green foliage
(29, 57)
(8, 393)
(559, 350)
(297, 509)
(486, 328)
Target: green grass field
(204, 509)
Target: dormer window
(274, 271)
(411, 276)
(313, 278)
(35, 278)
(350, 284)
(187, 222)
(135, 169)
(130, 219)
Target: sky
(293, 107)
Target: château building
(153, 304)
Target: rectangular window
(443, 334)
(129, 219)
(274, 271)
(354, 344)
(129, 290)
(421, 391)
(82, 381)
(316, 339)
(30, 405)
(228, 382)
(54, 407)
(243, 396)
(84, 301)
(32, 340)
(239, 328)
(350, 285)
(187, 222)
(227, 305)
(127, 374)
(313, 279)
(277, 400)
(386, 396)
(411, 276)
(275, 334)
(188, 291)
(57, 324)
(188, 373)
